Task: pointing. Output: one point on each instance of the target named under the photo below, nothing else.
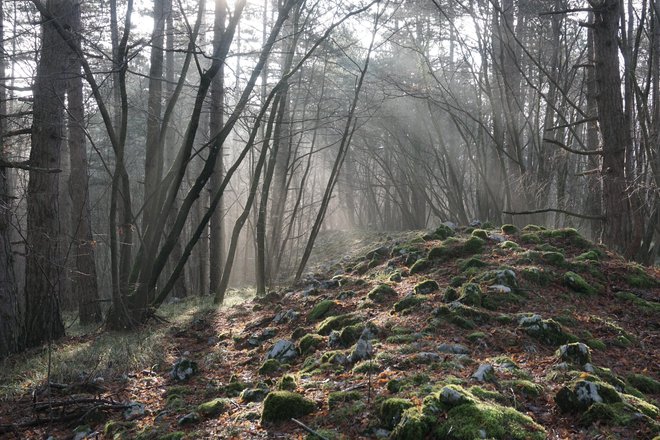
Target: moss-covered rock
(470, 263)
(391, 410)
(548, 331)
(425, 287)
(287, 383)
(638, 277)
(420, 265)
(470, 294)
(322, 309)
(254, 394)
(480, 233)
(486, 420)
(457, 248)
(592, 255)
(523, 386)
(337, 323)
(270, 366)
(338, 398)
(580, 395)
(511, 245)
(412, 426)
(381, 293)
(578, 284)
(575, 353)
(310, 343)
(641, 303)
(280, 406)
(408, 302)
(537, 275)
(643, 383)
(450, 294)
(509, 229)
(214, 407)
(442, 232)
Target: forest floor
(465, 334)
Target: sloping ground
(496, 334)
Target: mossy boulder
(310, 343)
(537, 275)
(503, 276)
(337, 323)
(638, 277)
(450, 295)
(578, 284)
(322, 309)
(412, 426)
(471, 263)
(425, 287)
(523, 386)
(350, 334)
(408, 302)
(470, 294)
(592, 255)
(575, 353)
(548, 331)
(420, 265)
(281, 406)
(391, 410)
(643, 383)
(509, 229)
(381, 293)
(510, 245)
(287, 383)
(270, 366)
(579, 396)
(442, 232)
(214, 407)
(480, 233)
(486, 420)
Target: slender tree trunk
(44, 276)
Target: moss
(426, 287)
(412, 426)
(537, 276)
(578, 284)
(174, 403)
(472, 263)
(114, 427)
(548, 331)
(381, 293)
(522, 386)
(280, 406)
(234, 387)
(530, 238)
(592, 255)
(457, 281)
(471, 294)
(509, 229)
(596, 344)
(485, 394)
(214, 407)
(287, 383)
(639, 302)
(450, 294)
(644, 383)
(442, 232)
(473, 245)
(480, 233)
(350, 334)
(553, 258)
(476, 336)
(270, 366)
(178, 435)
(391, 410)
(338, 398)
(576, 353)
(533, 228)
(609, 414)
(408, 302)
(581, 394)
(509, 245)
(337, 323)
(469, 422)
(420, 265)
(310, 343)
(368, 366)
(503, 276)
(395, 277)
(178, 390)
(321, 309)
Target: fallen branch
(571, 150)
(308, 429)
(561, 211)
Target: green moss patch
(412, 426)
(322, 309)
(643, 383)
(548, 331)
(338, 398)
(310, 343)
(381, 293)
(470, 294)
(408, 302)
(425, 287)
(337, 323)
(270, 366)
(639, 302)
(457, 248)
(281, 406)
(214, 407)
(391, 410)
(420, 265)
(579, 284)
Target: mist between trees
(160, 149)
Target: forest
(158, 153)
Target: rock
(453, 349)
(281, 406)
(363, 350)
(329, 284)
(497, 238)
(381, 293)
(286, 317)
(337, 323)
(470, 294)
(583, 394)
(576, 353)
(183, 369)
(321, 309)
(214, 407)
(135, 410)
(391, 410)
(188, 419)
(499, 288)
(254, 394)
(81, 432)
(547, 331)
(485, 373)
(475, 223)
(426, 357)
(452, 396)
(413, 425)
(283, 351)
(270, 366)
(310, 343)
(425, 287)
(578, 284)
(257, 338)
(381, 433)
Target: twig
(308, 429)
(561, 211)
(572, 150)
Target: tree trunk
(44, 277)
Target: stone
(280, 406)
(363, 350)
(583, 394)
(576, 353)
(183, 369)
(214, 407)
(257, 338)
(484, 373)
(453, 349)
(286, 317)
(135, 410)
(254, 394)
(283, 351)
(499, 288)
(188, 419)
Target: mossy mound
(511, 245)
(523, 386)
(442, 232)
(214, 407)
(280, 406)
(420, 266)
(350, 334)
(408, 303)
(287, 383)
(576, 353)
(637, 277)
(537, 275)
(425, 287)
(580, 395)
(310, 343)
(450, 294)
(381, 293)
(548, 331)
(509, 229)
(461, 315)
(322, 309)
(480, 233)
(643, 383)
(391, 410)
(639, 302)
(337, 323)
(270, 366)
(579, 284)
(338, 398)
(470, 294)
(457, 248)
(412, 426)
(470, 263)
(592, 255)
